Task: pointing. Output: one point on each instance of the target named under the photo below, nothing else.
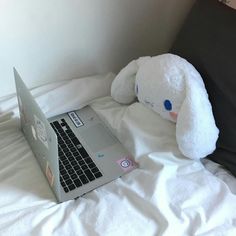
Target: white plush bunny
(172, 87)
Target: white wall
(50, 40)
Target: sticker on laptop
(33, 132)
(41, 131)
(22, 111)
(75, 119)
(20, 104)
(49, 174)
(127, 163)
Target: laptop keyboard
(75, 165)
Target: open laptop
(75, 150)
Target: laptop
(76, 151)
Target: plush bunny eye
(168, 105)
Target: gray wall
(61, 39)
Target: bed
(167, 195)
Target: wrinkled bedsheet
(167, 195)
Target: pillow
(207, 40)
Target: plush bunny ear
(122, 88)
(196, 132)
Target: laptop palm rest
(97, 137)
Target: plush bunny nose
(173, 115)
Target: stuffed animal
(172, 87)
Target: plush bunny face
(160, 85)
(173, 88)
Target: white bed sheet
(167, 195)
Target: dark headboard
(208, 41)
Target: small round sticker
(125, 163)
(33, 132)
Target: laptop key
(65, 150)
(79, 146)
(95, 169)
(66, 189)
(76, 154)
(88, 160)
(65, 137)
(91, 165)
(68, 131)
(71, 171)
(75, 141)
(67, 141)
(98, 174)
(78, 158)
(63, 124)
(83, 152)
(62, 158)
(89, 175)
(67, 126)
(59, 138)
(71, 187)
(61, 167)
(84, 167)
(60, 153)
(66, 162)
(56, 124)
(77, 183)
(63, 172)
(70, 145)
(79, 172)
(81, 162)
(68, 181)
(67, 167)
(65, 176)
(74, 176)
(76, 167)
(71, 158)
(68, 154)
(73, 163)
(61, 131)
(63, 146)
(71, 135)
(83, 179)
(73, 149)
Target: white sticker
(20, 103)
(127, 163)
(41, 131)
(33, 132)
(49, 174)
(22, 111)
(75, 119)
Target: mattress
(167, 195)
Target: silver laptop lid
(39, 134)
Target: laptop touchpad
(97, 137)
